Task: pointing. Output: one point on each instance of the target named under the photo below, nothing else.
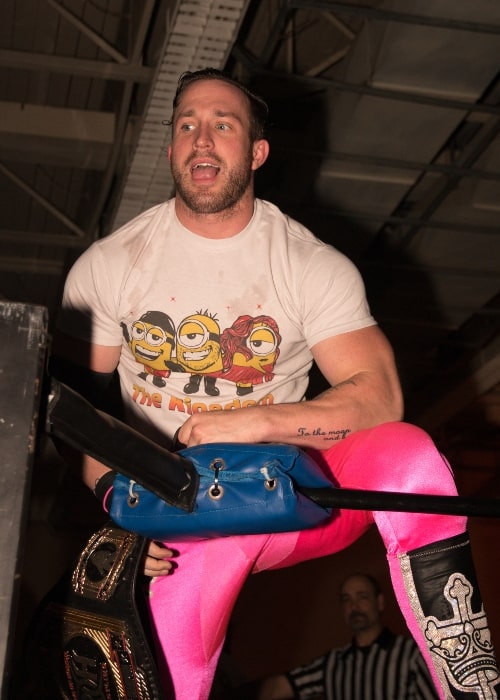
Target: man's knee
(408, 460)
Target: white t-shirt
(211, 324)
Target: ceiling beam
(123, 121)
(87, 31)
(56, 152)
(254, 66)
(66, 65)
(32, 238)
(382, 219)
(291, 150)
(42, 201)
(476, 148)
(32, 266)
(57, 122)
(57, 136)
(386, 15)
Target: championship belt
(88, 640)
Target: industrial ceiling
(385, 118)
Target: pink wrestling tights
(191, 608)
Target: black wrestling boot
(442, 587)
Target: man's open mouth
(203, 166)
(204, 172)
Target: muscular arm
(364, 392)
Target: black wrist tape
(103, 485)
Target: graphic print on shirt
(244, 354)
(152, 340)
(250, 349)
(198, 351)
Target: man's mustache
(355, 615)
(212, 156)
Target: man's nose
(203, 138)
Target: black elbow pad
(96, 387)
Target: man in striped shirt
(377, 665)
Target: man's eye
(186, 127)
(223, 127)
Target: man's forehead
(221, 96)
(356, 584)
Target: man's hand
(223, 426)
(157, 560)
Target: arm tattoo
(327, 435)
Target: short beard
(358, 622)
(199, 202)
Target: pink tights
(191, 608)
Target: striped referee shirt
(392, 668)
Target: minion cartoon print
(250, 348)
(152, 340)
(198, 351)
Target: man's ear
(169, 152)
(260, 150)
(381, 602)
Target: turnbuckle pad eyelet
(217, 464)
(215, 491)
(133, 496)
(270, 484)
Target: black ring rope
(359, 499)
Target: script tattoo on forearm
(327, 435)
